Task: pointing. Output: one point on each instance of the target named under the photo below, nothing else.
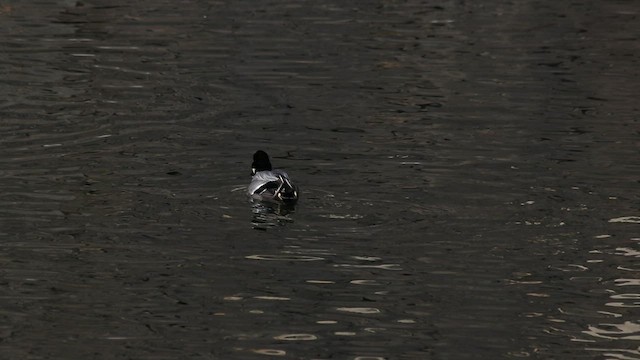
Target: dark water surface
(469, 172)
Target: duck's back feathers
(274, 185)
(261, 179)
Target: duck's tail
(286, 192)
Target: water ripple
(460, 163)
(284, 257)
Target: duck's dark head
(260, 162)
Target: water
(469, 178)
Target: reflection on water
(320, 309)
(471, 169)
(269, 214)
(620, 303)
(603, 319)
(627, 330)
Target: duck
(268, 184)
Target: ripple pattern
(468, 172)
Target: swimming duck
(268, 184)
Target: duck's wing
(287, 191)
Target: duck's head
(260, 162)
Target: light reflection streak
(618, 356)
(626, 219)
(624, 251)
(283, 257)
(623, 305)
(296, 337)
(270, 352)
(625, 331)
(626, 296)
(627, 282)
(393, 267)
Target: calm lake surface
(470, 177)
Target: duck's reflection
(267, 215)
